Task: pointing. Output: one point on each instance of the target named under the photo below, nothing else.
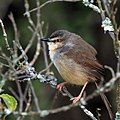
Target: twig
(46, 68)
(118, 97)
(102, 13)
(29, 100)
(3, 64)
(35, 57)
(35, 97)
(11, 17)
(87, 112)
(47, 2)
(20, 99)
(28, 14)
(26, 91)
(107, 7)
(28, 46)
(111, 70)
(34, 32)
(43, 43)
(8, 59)
(44, 113)
(106, 88)
(38, 35)
(14, 93)
(5, 38)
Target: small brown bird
(74, 58)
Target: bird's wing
(85, 56)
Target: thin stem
(5, 38)
(35, 97)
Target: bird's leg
(76, 99)
(60, 86)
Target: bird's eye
(58, 40)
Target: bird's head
(57, 39)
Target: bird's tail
(106, 102)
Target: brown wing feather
(85, 55)
(94, 68)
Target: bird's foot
(75, 99)
(60, 86)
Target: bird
(75, 60)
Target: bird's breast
(68, 69)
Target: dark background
(74, 17)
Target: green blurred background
(74, 17)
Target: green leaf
(10, 101)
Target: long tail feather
(107, 103)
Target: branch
(47, 2)
(5, 38)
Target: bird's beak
(45, 39)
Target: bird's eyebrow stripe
(54, 39)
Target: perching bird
(74, 58)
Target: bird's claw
(60, 86)
(75, 99)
